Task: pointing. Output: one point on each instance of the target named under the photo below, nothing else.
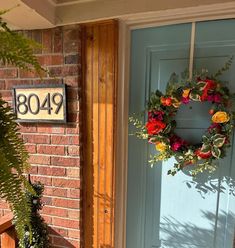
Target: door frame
(126, 25)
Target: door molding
(126, 24)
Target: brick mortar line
(59, 166)
(52, 134)
(58, 246)
(63, 65)
(54, 166)
(51, 176)
(41, 211)
(54, 177)
(52, 145)
(52, 155)
(62, 198)
(46, 54)
(22, 79)
(67, 208)
(62, 217)
(67, 238)
(56, 187)
(64, 228)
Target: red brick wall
(54, 149)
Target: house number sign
(41, 103)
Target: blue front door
(179, 212)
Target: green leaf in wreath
(167, 129)
(171, 172)
(173, 81)
(205, 139)
(201, 85)
(217, 136)
(219, 142)
(205, 148)
(216, 152)
(194, 96)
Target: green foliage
(15, 49)
(224, 68)
(13, 162)
(140, 131)
(39, 230)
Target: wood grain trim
(6, 222)
(99, 76)
(8, 238)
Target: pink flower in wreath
(185, 100)
(214, 98)
(176, 146)
(176, 143)
(217, 98)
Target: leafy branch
(17, 50)
(225, 68)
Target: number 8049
(51, 103)
(40, 103)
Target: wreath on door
(160, 127)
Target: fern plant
(18, 51)
(15, 49)
(40, 238)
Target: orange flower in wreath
(166, 101)
(220, 117)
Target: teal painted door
(179, 212)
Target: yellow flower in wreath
(186, 93)
(220, 117)
(161, 147)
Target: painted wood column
(99, 66)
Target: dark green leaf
(216, 152)
(219, 142)
(205, 148)
(194, 96)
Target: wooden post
(8, 238)
(99, 66)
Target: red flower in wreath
(155, 126)
(203, 155)
(209, 85)
(215, 127)
(155, 115)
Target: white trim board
(128, 23)
(180, 15)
